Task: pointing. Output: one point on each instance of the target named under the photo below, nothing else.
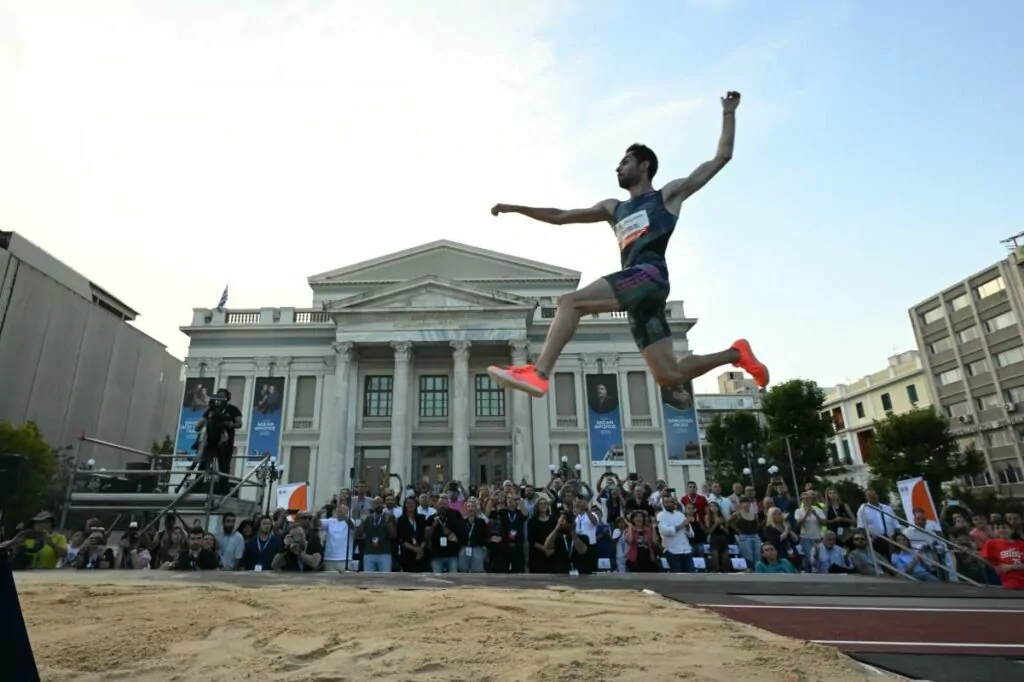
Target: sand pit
(91, 628)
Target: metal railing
(948, 546)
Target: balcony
(641, 422)
(302, 424)
(566, 422)
(262, 317)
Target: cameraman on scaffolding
(220, 420)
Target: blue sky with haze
(877, 156)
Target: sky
(163, 149)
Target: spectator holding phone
(38, 547)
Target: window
(887, 402)
(932, 315)
(236, 385)
(969, 334)
(955, 410)
(1000, 322)
(490, 397)
(987, 402)
(434, 396)
(977, 367)
(938, 346)
(298, 465)
(860, 410)
(837, 418)
(305, 398)
(639, 400)
(547, 313)
(1010, 357)
(847, 457)
(378, 396)
(949, 376)
(995, 439)
(565, 394)
(959, 303)
(912, 394)
(1014, 395)
(993, 286)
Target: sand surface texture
(141, 630)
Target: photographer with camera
(220, 421)
(195, 558)
(39, 547)
(133, 553)
(569, 548)
(294, 556)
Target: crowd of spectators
(565, 527)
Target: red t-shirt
(1001, 552)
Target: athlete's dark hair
(641, 153)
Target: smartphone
(670, 491)
(633, 477)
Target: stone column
(344, 355)
(522, 431)
(400, 415)
(460, 412)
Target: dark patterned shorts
(642, 291)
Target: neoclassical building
(386, 375)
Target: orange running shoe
(749, 363)
(523, 378)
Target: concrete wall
(71, 366)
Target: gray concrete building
(971, 342)
(71, 362)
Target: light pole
(792, 469)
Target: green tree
(793, 412)
(918, 443)
(44, 476)
(164, 448)
(727, 435)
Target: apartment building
(971, 343)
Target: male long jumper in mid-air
(643, 225)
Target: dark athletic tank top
(643, 227)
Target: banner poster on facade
(914, 494)
(193, 406)
(604, 420)
(682, 435)
(293, 497)
(265, 420)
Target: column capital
(520, 350)
(343, 350)
(403, 350)
(460, 350)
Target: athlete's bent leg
(671, 372)
(597, 297)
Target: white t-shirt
(337, 545)
(811, 530)
(585, 527)
(676, 541)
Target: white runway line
(905, 609)
(933, 645)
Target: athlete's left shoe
(523, 378)
(749, 363)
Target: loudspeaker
(12, 468)
(145, 481)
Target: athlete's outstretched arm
(677, 191)
(598, 213)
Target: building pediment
(446, 259)
(430, 293)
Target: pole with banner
(266, 419)
(604, 421)
(682, 435)
(914, 494)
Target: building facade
(854, 408)
(972, 347)
(386, 375)
(734, 382)
(71, 362)
(711, 405)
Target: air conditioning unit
(1010, 407)
(966, 419)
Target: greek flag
(223, 299)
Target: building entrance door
(489, 465)
(374, 467)
(431, 467)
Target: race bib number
(631, 228)
(469, 551)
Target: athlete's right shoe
(749, 363)
(523, 378)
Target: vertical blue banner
(604, 420)
(265, 420)
(193, 407)
(682, 437)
